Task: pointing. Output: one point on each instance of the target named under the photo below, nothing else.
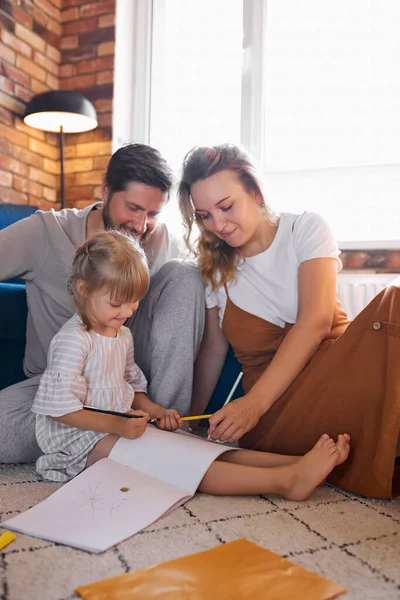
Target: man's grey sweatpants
(167, 330)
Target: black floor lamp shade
(62, 112)
(68, 110)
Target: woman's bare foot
(313, 468)
(343, 445)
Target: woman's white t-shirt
(267, 284)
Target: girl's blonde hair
(109, 261)
(217, 260)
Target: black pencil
(117, 414)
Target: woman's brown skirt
(351, 385)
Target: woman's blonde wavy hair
(109, 261)
(217, 260)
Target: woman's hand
(133, 428)
(170, 420)
(235, 419)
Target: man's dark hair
(140, 163)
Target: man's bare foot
(313, 468)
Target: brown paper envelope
(233, 571)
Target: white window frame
(132, 84)
(253, 122)
(132, 72)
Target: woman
(271, 286)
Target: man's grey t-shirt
(40, 249)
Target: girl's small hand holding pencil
(131, 429)
(169, 420)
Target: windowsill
(369, 246)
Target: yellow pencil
(196, 417)
(6, 538)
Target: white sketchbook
(142, 480)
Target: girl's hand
(133, 428)
(170, 420)
(235, 419)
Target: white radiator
(356, 290)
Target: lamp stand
(62, 167)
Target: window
(311, 89)
(196, 75)
(332, 119)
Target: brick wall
(50, 45)
(380, 261)
(29, 63)
(87, 66)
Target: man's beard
(109, 224)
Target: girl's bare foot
(313, 468)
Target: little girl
(91, 363)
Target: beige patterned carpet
(354, 541)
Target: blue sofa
(13, 309)
(13, 312)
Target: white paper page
(180, 459)
(92, 513)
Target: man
(168, 325)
